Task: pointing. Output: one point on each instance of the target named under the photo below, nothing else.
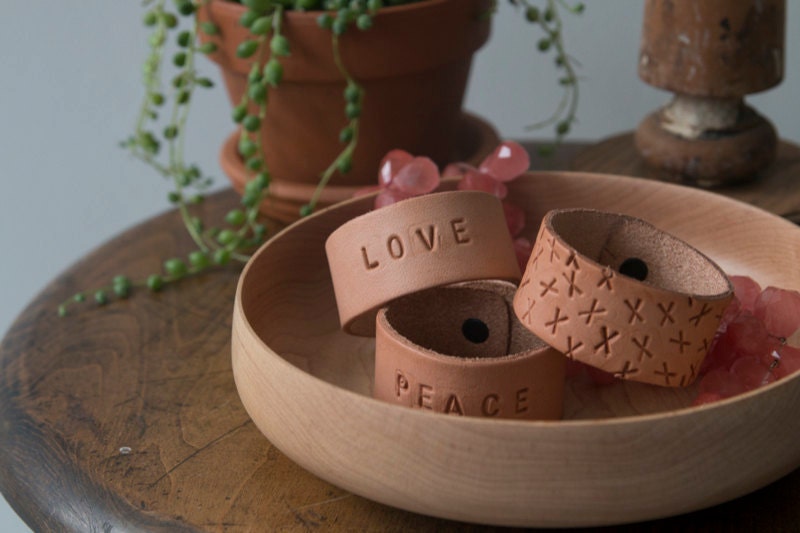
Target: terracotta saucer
(477, 139)
(623, 453)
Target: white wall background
(69, 91)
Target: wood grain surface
(153, 374)
(777, 190)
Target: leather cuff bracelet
(460, 350)
(615, 292)
(416, 244)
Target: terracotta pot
(475, 139)
(413, 64)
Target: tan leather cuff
(460, 350)
(416, 244)
(581, 295)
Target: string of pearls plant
(170, 79)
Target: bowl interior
(287, 289)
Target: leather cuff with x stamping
(617, 293)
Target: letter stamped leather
(416, 244)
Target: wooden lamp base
(713, 158)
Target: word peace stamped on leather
(464, 401)
(419, 243)
(459, 350)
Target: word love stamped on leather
(427, 238)
(419, 243)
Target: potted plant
(400, 83)
(321, 90)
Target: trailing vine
(159, 136)
(550, 22)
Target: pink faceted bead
(751, 372)
(720, 382)
(508, 161)
(522, 249)
(748, 337)
(746, 290)
(391, 165)
(457, 170)
(515, 218)
(789, 362)
(389, 197)
(477, 181)
(418, 176)
(780, 311)
(730, 313)
(707, 397)
(711, 362)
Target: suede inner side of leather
(611, 239)
(433, 320)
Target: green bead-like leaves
(184, 39)
(339, 26)
(544, 44)
(185, 8)
(352, 93)
(279, 45)
(346, 135)
(222, 256)
(251, 123)
(155, 282)
(207, 48)
(209, 28)
(261, 26)
(325, 21)
(364, 22)
(239, 113)
(246, 49)
(259, 6)
(121, 286)
(257, 92)
(100, 297)
(344, 164)
(273, 72)
(199, 260)
(226, 237)
(175, 267)
(247, 148)
(150, 18)
(235, 217)
(352, 110)
(179, 59)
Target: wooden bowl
(624, 453)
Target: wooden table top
(127, 418)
